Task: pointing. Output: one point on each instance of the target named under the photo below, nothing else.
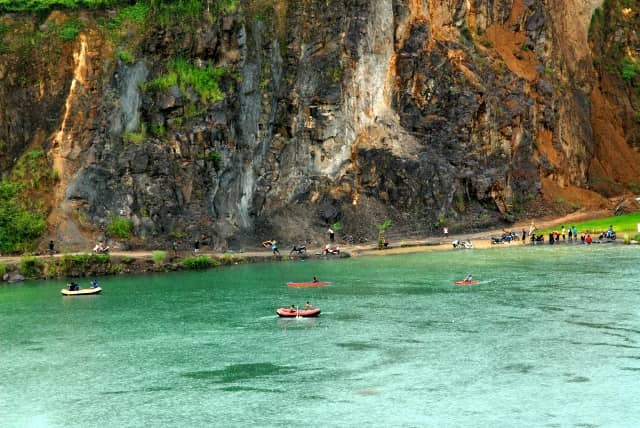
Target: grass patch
(199, 262)
(205, 81)
(627, 223)
(120, 227)
(132, 137)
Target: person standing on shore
(196, 246)
(445, 232)
(332, 234)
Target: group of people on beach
(567, 234)
(328, 249)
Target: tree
(381, 229)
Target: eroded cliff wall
(430, 113)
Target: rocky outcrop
(429, 113)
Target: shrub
(158, 130)
(52, 270)
(133, 137)
(215, 157)
(126, 57)
(630, 69)
(159, 257)
(70, 30)
(18, 227)
(227, 6)
(120, 227)
(199, 262)
(161, 83)
(116, 269)
(73, 263)
(31, 267)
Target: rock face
(426, 112)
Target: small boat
(81, 292)
(293, 313)
(472, 282)
(308, 284)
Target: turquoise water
(549, 337)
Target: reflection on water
(238, 372)
(543, 340)
(298, 323)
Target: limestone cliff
(273, 119)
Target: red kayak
(308, 284)
(472, 282)
(292, 313)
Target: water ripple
(615, 345)
(602, 326)
(519, 368)
(357, 346)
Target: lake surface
(549, 337)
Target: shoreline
(61, 266)
(84, 265)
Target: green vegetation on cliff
(18, 226)
(182, 5)
(39, 5)
(205, 81)
(120, 227)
